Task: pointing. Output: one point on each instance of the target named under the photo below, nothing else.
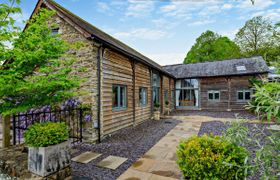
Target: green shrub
(211, 157)
(266, 101)
(46, 134)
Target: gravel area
(218, 127)
(217, 114)
(131, 143)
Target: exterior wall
(142, 79)
(228, 87)
(208, 84)
(86, 58)
(167, 85)
(117, 69)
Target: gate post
(6, 121)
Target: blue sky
(164, 30)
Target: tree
(258, 37)
(211, 46)
(37, 68)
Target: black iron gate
(72, 117)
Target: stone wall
(86, 59)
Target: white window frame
(213, 92)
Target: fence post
(6, 131)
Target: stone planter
(156, 115)
(167, 111)
(44, 161)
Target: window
(243, 95)
(187, 93)
(55, 31)
(119, 98)
(143, 96)
(214, 95)
(241, 68)
(156, 88)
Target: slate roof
(104, 37)
(253, 65)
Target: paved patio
(159, 163)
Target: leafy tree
(211, 46)
(37, 68)
(259, 37)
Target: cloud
(142, 33)
(201, 22)
(138, 8)
(167, 58)
(102, 6)
(181, 9)
(271, 14)
(229, 33)
(258, 5)
(227, 6)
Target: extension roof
(232, 67)
(93, 32)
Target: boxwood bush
(46, 134)
(211, 157)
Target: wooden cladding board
(117, 69)
(142, 79)
(228, 87)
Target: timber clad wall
(228, 87)
(142, 79)
(117, 69)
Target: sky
(164, 30)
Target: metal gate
(72, 117)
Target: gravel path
(217, 114)
(130, 143)
(218, 127)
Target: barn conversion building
(123, 85)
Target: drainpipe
(99, 54)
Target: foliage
(266, 101)
(259, 37)
(166, 102)
(264, 160)
(37, 71)
(46, 134)
(157, 106)
(211, 157)
(211, 46)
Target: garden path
(159, 163)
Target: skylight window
(240, 68)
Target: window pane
(217, 95)
(115, 96)
(156, 95)
(122, 96)
(247, 95)
(142, 96)
(240, 95)
(210, 96)
(156, 80)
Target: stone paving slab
(111, 162)
(86, 157)
(159, 163)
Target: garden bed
(218, 127)
(129, 143)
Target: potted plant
(156, 111)
(167, 109)
(48, 148)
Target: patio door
(187, 93)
